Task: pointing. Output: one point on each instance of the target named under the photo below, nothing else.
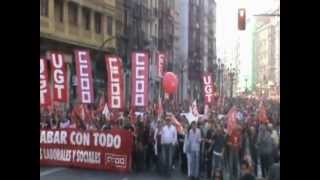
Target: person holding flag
(234, 142)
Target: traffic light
(241, 19)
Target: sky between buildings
(227, 32)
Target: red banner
(232, 120)
(44, 84)
(140, 79)
(262, 114)
(103, 150)
(161, 59)
(116, 96)
(208, 88)
(59, 77)
(84, 76)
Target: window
(109, 25)
(86, 18)
(155, 29)
(73, 13)
(58, 10)
(44, 8)
(97, 19)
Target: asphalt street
(61, 173)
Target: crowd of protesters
(202, 149)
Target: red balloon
(170, 82)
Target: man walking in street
(194, 146)
(168, 141)
(218, 149)
(235, 145)
(265, 148)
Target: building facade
(66, 25)
(266, 54)
(139, 25)
(201, 43)
(181, 46)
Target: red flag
(232, 121)
(159, 106)
(101, 104)
(262, 115)
(177, 124)
(132, 115)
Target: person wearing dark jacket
(265, 149)
(274, 173)
(217, 151)
(208, 148)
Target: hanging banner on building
(140, 79)
(44, 84)
(116, 93)
(161, 59)
(102, 150)
(84, 76)
(208, 88)
(59, 77)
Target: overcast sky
(227, 32)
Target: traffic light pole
(267, 15)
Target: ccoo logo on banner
(44, 84)
(140, 79)
(161, 57)
(59, 77)
(115, 82)
(84, 76)
(208, 88)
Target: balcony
(73, 30)
(155, 12)
(59, 27)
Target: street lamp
(231, 75)
(221, 77)
(246, 90)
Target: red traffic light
(242, 19)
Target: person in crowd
(274, 173)
(168, 141)
(148, 143)
(265, 149)
(246, 171)
(274, 135)
(234, 143)
(181, 139)
(45, 119)
(65, 123)
(157, 145)
(208, 147)
(106, 124)
(186, 149)
(139, 147)
(253, 149)
(194, 146)
(218, 146)
(201, 126)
